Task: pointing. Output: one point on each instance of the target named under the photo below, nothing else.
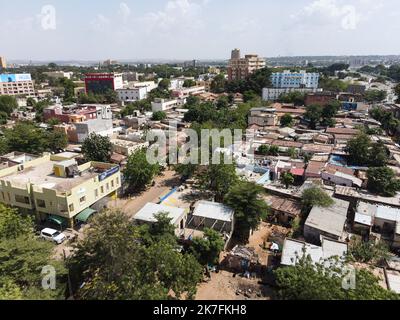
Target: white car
(53, 235)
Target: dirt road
(132, 205)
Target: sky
(195, 29)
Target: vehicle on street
(53, 235)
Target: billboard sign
(108, 173)
(15, 77)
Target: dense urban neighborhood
(308, 207)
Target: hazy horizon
(196, 29)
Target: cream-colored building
(3, 63)
(17, 85)
(126, 147)
(56, 188)
(240, 68)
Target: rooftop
(331, 219)
(150, 209)
(42, 176)
(293, 250)
(213, 210)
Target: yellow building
(56, 188)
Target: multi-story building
(126, 147)
(186, 92)
(99, 83)
(240, 68)
(163, 105)
(136, 91)
(77, 113)
(273, 94)
(300, 79)
(263, 117)
(59, 74)
(17, 85)
(3, 63)
(55, 188)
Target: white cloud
(100, 22)
(181, 14)
(124, 11)
(328, 12)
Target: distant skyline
(196, 29)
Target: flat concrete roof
(150, 209)
(213, 210)
(43, 176)
(331, 219)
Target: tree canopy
(97, 148)
(114, 263)
(139, 173)
(250, 208)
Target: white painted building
(273, 94)
(165, 105)
(288, 79)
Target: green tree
(159, 115)
(358, 149)
(208, 248)
(25, 137)
(218, 178)
(164, 84)
(382, 181)
(368, 252)
(375, 96)
(323, 281)
(22, 258)
(287, 179)
(250, 209)
(273, 151)
(189, 83)
(57, 141)
(97, 148)
(287, 120)
(313, 115)
(263, 150)
(297, 98)
(397, 92)
(218, 84)
(114, 264)
(8, 104)
(139, 173)
(315, 196)
(379, 155)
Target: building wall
(336, 179)
(300, 79)
(66, 205)
(17, 84)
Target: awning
(85, 215)
(57, 220)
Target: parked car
(53, 235)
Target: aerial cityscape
(154, 152)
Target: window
(112, 183)
(96, 193)
(102, 189)
(108, 186)
(71, 207)
(82, 200)
(41, 203)
(22, 199)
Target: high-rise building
(300, 79)
(100, 83)
(3, 63)
(240, 68)
(16, 85)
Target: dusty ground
(223, 286)
(132, 205)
